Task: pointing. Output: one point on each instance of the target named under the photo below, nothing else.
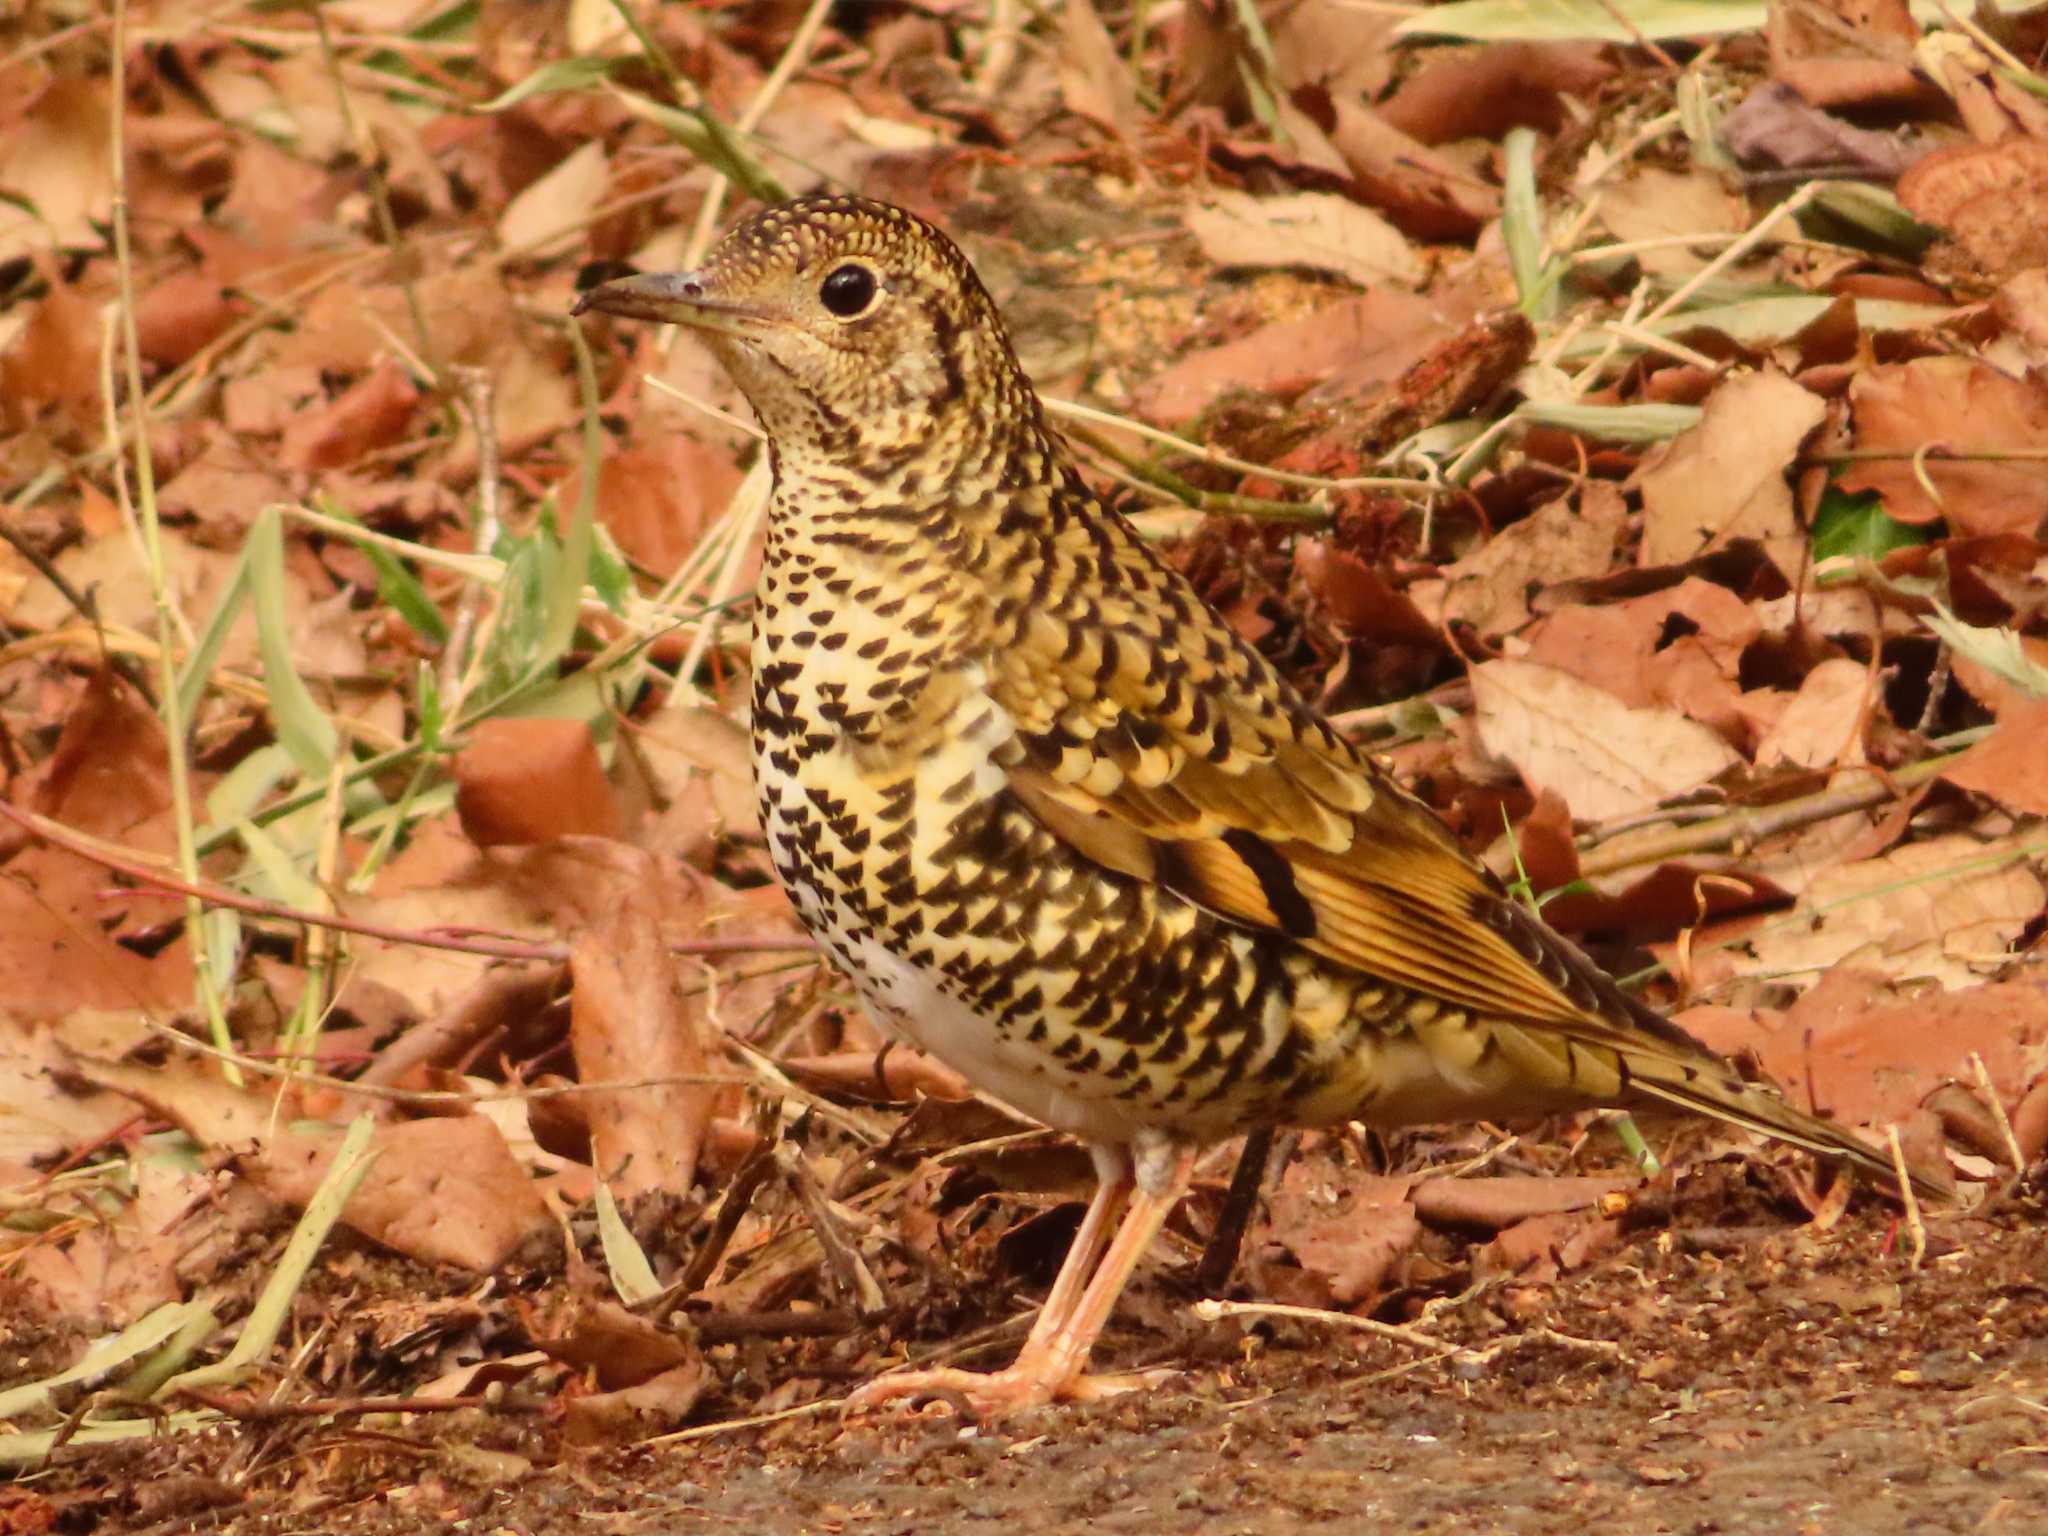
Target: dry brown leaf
(180, 314)
(371, 413)
(528, 780)
(1390, 328)
(1965, 406)
(633, 1023)
(59, 163)
(2011, 764)
(1947, 909)
(655, 498)
(1490, 588)
(1869, 1050)
(1494, 1203)
(1357, 598)
(1845, 52)
(1604, 758)
(1823, 725)
(1483, 92)
(1658, 205)
(443, 1191)
(1991, 198)
(1348, 1237)
(1425, 191)
(1333, 46)
(550, 216)
(41, 1119)
(1303, 229)
(1725, 478)
(699, 781)
(1094, 79)
(224, 489)
(52, 359)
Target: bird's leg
(1113, 1186)
(1050, 1365)
(1163, 1169)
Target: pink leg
(1051, 1365)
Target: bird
(1068, 832)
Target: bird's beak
(677, 298)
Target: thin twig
(1746, 827)
(220, 896)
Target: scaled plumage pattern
(1062, 827)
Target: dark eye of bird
(847, 290)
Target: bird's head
(858, 331)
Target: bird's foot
(991, 1394)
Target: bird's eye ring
(848, 290)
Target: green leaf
(1651, 423)
(2000, 651)
(611, 578)
(577, 73)
(1847, 528)
(399, 588)
(199, 665)
(1521, 223)
(302, 726)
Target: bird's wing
(1151, 739)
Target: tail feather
(1707, 1086)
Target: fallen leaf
(1869, 1052)
(633, 1023)
(1481, 93)
(1603, 757)
(1494, 1203)
(1965, 406)
(1991, 198)
(370, 414)
(1490, 588)
(550, 215)
(1823, 725)
(1391, 328)
(1304, 229)
(1776, 125)
(1725, 478)
(1845, 52)
(58, 169)
(531, 779)
(1948, 909)
(2011, 764)
(1350, 1238)
(1656, 205)
(1425, 191)
(1094, 79)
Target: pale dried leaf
(1823, 725)
(1603, 757)
(550, 216)
(1305, 229)
(1946, 909)
(1657, 205)
(1490, 588)
(1725, 479)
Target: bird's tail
(1709, 1086)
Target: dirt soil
(1753, 1378)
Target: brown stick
(59, 835)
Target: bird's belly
(1095, 1003)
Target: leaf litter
(1578, 408)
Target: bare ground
(1755, 1378)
